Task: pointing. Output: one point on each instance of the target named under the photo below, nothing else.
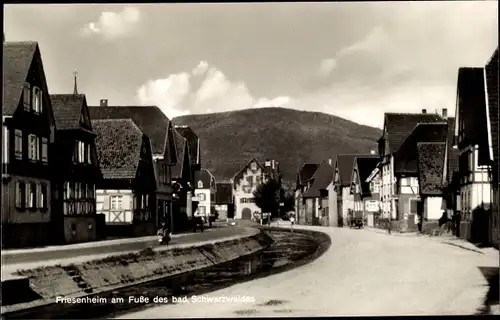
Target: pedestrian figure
(389, 226)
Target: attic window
(200, 184)
(37, 100)
(253, 166)
(27, 96)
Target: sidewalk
(99, 248)
(393, 233)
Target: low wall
(119, 271)
(19, 235)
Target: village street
(362, 273)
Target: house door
(246, 214)
(339, 213)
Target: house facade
(205, 193)
(475, 157)
(125, 194)
(431, 162)
(304, 175)
(224, 200)
(244, 183)
(344, 200)
(373, 207)
(399, 191)
(491, 75)
(160, 130)
(75, 171)
(365, 194)
(317, 207)
(28, 127)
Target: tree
(289, 202)
(267, 197)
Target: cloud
(112, 25)
(327, 66)
(176, 95)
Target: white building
(205, 193)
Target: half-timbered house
(365, 194)
(128, 185)
(304, 176)
(75, 170)
(27, 129)
(317, 210)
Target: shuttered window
(18, 144)
(45, 150)
(27, 96)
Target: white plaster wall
(433, 208)
(103, 205)
(205, 203)
(332, 205)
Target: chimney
(372, 152)
(444, 113)
(104, 102)
(330, 161)
(424, 111)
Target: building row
(73, 172)
(429, 168)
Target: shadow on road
(492, 296)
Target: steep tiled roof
(181, 148)
(405, 159)
(430, 167)
(472, 109)
(17, 59)
(365, 167)
(205, 176)
(452, 153)
(492, 90)
(193, 143)
(67, 110)
(118, 144)
(322, 178)
(345, 163)
(224, 193)
(400, 125)
(306, 172)
(150, 119)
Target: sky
(355, 60)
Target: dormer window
(37, 100)
(27, 96)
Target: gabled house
(75, 170)
(317, 209)
(27, 129)
(224, 200)
(245, 182)
(342, 197)
(205, 193)
(128, 185)
(302, 184)
(365, 194)
(182, 184)
(373, 210)
(160, 130)
(491, 74)
(476, 156)
(398, 161)
(431, 162)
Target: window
(27, 96)
(79, 154)
(5, 141)
(31, 195)
(37, 100)
(89, 160)
(201, 210)
(42, 196)
(45, 150)
(20, 195)
(250, 181)
(200, 184)
(18, 144)
(201, 197)
(116, 202)
(33, 147)
(253, 166)
(258, 180)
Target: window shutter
(134, 201)
(39, 196)
(106, 203)
(40, 101)
(45, 155)
(38, 148)
(19, 195)
(27, 194)
(126, 203)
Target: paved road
(113, 246)
(363, 273)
